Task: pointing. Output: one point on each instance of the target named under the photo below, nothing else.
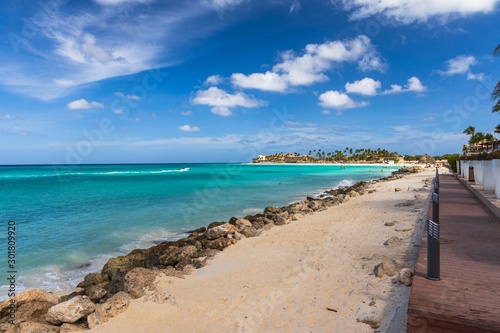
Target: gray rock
(70, 311)
(353, 194)
(393, 241)
(242, 223)
(221, 231)
(175, 254)
(93, 279)
(95, 293)
(115, 305)
(219, 243)
(371, 319)
(249, 232)
(139, 280)
(30, 305)
(387, 267)
(405, 276)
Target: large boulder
(93, 279)
(27, 305)
(70, 311)
(139, 280)
(220, 231)
(219, 243)
(242, 223)
(115, 305)
(249, 231)
(95, 293)
(280, 218)
(175, 254)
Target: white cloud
(222, 4)
(458, 65)
(412, 85)
(186, 113)
(78, 47)
(479, 77)
(408, 11)
(337, 100)
(221, 101)
(8, 116)
(213, 80)
(366, 87)
(189, 128)
(129, 97)
(415, 85)
(119, 2)
(118, 111)
(269, 81)
(310, 67)
(81, 104)
(461, 65)
(221, 111)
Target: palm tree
(471, 130)
(497, 129)
(477, 139)
(489, 138)
(495, 95)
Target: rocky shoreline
(101, 296)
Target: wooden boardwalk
(467, 299)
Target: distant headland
(348, 155)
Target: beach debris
(160, 297)
(405, 276)
(70, 311)
(388, 267)
(390, 223)
(393, 241)
(406, 203)
(331, 309)
(115, 305)
(139, 280)
(397, 189)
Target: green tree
(495, 95)
(497, 129)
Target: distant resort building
(481, 147)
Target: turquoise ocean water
(71, 219)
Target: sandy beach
(315, 274)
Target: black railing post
(433, 243)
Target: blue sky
(124, 81)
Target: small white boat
(184, 169)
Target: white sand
(285, 279)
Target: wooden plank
(468, 297)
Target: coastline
(311, 274)
(265, 233)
